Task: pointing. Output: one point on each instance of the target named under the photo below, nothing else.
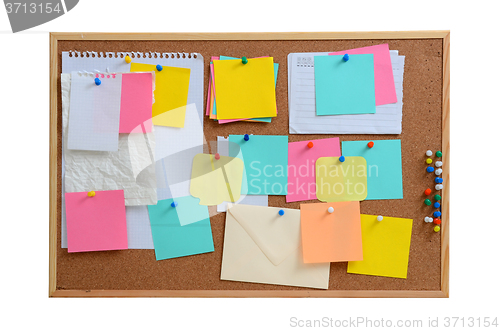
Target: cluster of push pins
(436, 219)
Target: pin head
(439, 187)
(91, 194)
(342, 158)
(97, 81)
(438, 171)
(428, 219)
(246, 137)
(428, 153)
(128, 59)
(439, 164)
(437, 221)
(438, 180)
(428, 191)
(437, 228)
(380, 218)
(437, 205)
(436, 214)
(428, 161)
(217, 156)
(310, 144)
(281, 212)
(174, 204)
(427, 202)
(439, 154)
(370, 144)
(330, 210)
(244, 60)
(159, 67)
(345, 57)
(430, 169)
(437, 197)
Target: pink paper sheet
(96, 223)
(136, 102)
(385, 90)
(302, 166)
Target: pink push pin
(217, 156)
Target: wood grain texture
(137, 273)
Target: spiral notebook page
(302, 103)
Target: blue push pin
(345, 57)
(97, 81)
(281, 212)
(174, 204)
(246, 137)
(437, 205)
(159, 67)
(342, 158)
(430, 169)
(437, 214)
(438, 180)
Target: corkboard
(138, 270)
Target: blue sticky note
(260, 119)
(344, 87)
(384, 170)
(266, 163)
(170, 238)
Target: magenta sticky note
(96, 223)
(385, 90)
(302, 165)
(136, 102)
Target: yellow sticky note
(173, 118)
(341, 181)
(245, 90)
(215, 181)
(386, 247)
(171, 92)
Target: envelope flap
(277, 236)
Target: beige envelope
(260, 246)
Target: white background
(24, 104)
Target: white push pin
(428, 219)
(438, 171)
(330, 210)
(428, 153)
(439, 187)
(380, 218)
(439, 164)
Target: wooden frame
(445, 226)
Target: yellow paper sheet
(215, 181)
(245, 90)
(341, 181)
(386, 247)
(171, 92)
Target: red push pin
(437, 221)
(310, 144)
(217, 156)
(428, 191)
(370, 144)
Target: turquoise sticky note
(344, 87)
(170, 238)
(266, 163)
(384, 170)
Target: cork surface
(422, 89)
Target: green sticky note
(344, 87)
(266, 163)
(384, 170)
(170, 238)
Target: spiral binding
(140, 55)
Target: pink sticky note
(96, 223)
(385, 90)
(136, 102)
(302, 166)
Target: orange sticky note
(331, 237)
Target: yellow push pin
(128, 59)
(428, 161)
(437, 228)
(91, 194)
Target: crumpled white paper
(100, 171)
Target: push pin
(437, 197)
(427, 202)
(428, 191)
(281, 212)
(428, 161)
(438, 172)
(310, 144)
(428, 219)
(91, 194)
(428, 153)
(439, 187)
(97, 81)
(159, 67)
(217, 156)
(244, 60)
(380, 218)
(439, 164)
(342, 158)
(437, 221)
(430, 169)
(437, 205)
(370, 144)
(437, 228)
(438, 180)
(174, 204)
(330, 210)
(345, 57)
(436, 214)
(439, 154)
(128, 59)
(246, 137)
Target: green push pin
(427, 202)
(244, 60)
(439, 154)
(437, 197)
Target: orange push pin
(91, 194)
(310, 144)
(437, 221)
(428, 191)
(370, 144)
(217, 156)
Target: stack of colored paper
(242, 89)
